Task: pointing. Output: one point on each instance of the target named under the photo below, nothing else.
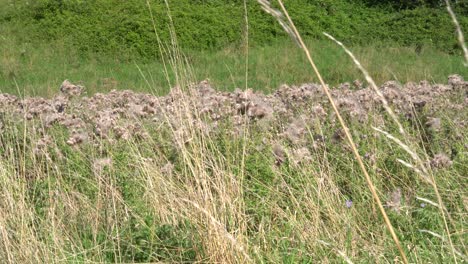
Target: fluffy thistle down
(142, 122)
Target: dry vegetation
(203, 175)
(304, 174)
(291, 111)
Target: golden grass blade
(434, 234)
(266, 6)
(220, 227)
(339, 252)
(342, 123)
(408, 150)
(424, 173)
(418, 171)
(246, 38)
(461, 38)
(422, 170)
(427, 201)
(371, 82)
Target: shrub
(126, 28)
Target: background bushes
(125, 27)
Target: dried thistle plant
(394, 201)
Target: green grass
(39, 69)
(125, 27)
(225, 200)
(77, 214)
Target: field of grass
(112, 180)
(181, 170)
(39, 69)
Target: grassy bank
(45, 42)
(39, 69)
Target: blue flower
(349, 203)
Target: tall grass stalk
(160, 45)
(428, 177)
(296, 35)
(371, 82)
(245, 127)
(246, 44)
(207, 194)
(461, 38)
(187, 192)
(421, 166)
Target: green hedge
(125, 26)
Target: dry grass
(270, 180)
(461, 38)
(89, 201)
(296, 36)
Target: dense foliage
(126, 27)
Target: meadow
(268, 66)
(238, 154)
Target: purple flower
(423, 205)
(349, 203)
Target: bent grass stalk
(338, 252)
(422, 170)
(196, 158)
(371, 82)
(217, 225)
(443, 239)
(296, 36)
(461, 38)
(429, 177)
